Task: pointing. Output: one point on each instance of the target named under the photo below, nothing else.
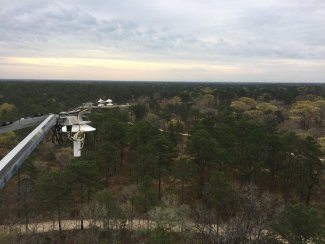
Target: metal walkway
(12, 161)
(22, 123)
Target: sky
(163, 40)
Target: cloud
(207, 31)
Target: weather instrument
(75, 128)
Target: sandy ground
(41, 227)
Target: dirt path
(69, 224)
(42, 227)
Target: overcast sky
(165, 40)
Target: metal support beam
(13, 160)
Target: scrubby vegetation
(187, 163)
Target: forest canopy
(221, 163)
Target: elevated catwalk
(13, 160)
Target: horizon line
(159, 81)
